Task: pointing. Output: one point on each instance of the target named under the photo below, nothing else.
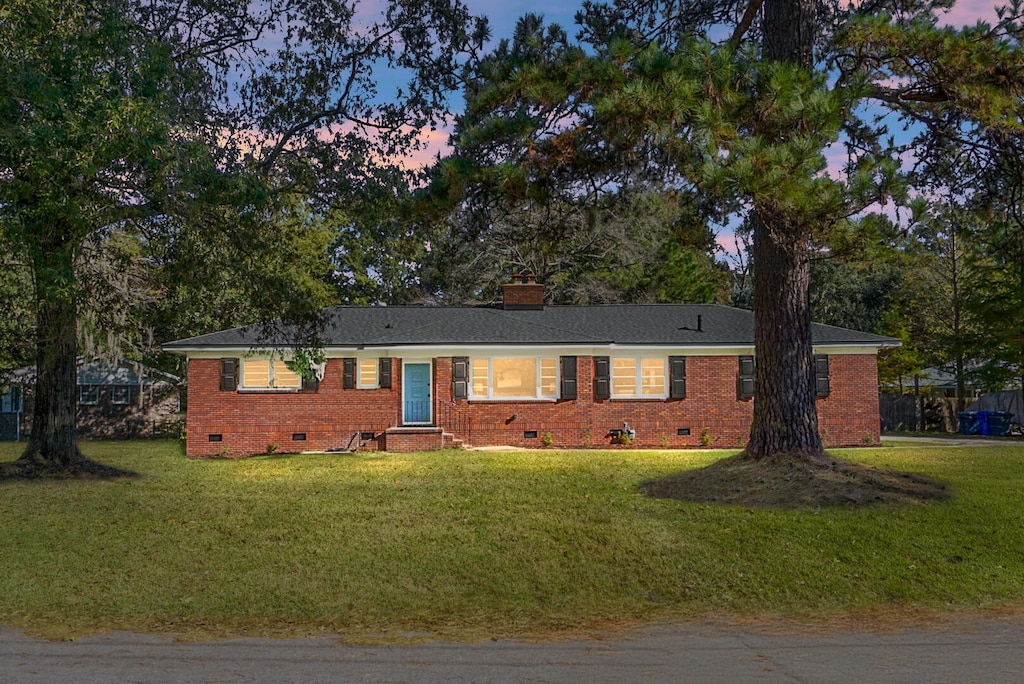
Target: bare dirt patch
(788, 481)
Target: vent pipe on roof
(700, 324)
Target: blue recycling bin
(983, 427)
(999, 423)
(968, 422)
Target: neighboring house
(115, 400)
(941, 382)
(11, 412)
(408, 378)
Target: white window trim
(639, 377)
(81, 397)
(270, 379)
(490, 379)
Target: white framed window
(514, 377)
(120, 394)
(88, 395)
(367, 374)
(642, 377)
(268, 374)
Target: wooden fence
(914, 413)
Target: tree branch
(745, 22)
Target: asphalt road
(968, 650)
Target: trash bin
(999, 423)
(983, 427)
(968, 422)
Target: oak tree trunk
(785, 413)
(53, 442)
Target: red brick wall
(849, 415)
(249, 421)
(413, 439)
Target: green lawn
(474, 544)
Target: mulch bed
(788, 481)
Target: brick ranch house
(402, 378)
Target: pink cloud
(432, 142)
(970, 12)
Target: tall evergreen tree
(747, 121)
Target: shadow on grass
(791, 483)
(83, 469)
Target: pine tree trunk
(53, 442)
(785, 414)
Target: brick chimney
(523, 293)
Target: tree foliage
(154, 154)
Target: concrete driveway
(966, 650)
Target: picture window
(515, 377)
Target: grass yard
(470, 545)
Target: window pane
(624, 377)
(89, 394)
(284, 376)
(652, 375)
(367, 372)
(479, 371)
(119, 394)
(255, 373)
(549, 377)
(515, 377)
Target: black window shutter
(746, 383)
(677, 377)
(568, 388)
(460, 377)
(348, 374)
(228, 375)
(821, 375)
(384, 373)
(602, 377)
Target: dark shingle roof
(621, 324)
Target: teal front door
(416, 389)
